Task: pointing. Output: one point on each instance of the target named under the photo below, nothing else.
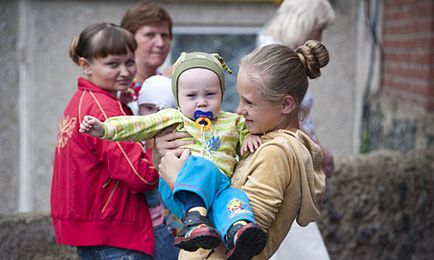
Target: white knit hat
(157, 90)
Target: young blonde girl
(283, 178)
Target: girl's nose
(124, 70)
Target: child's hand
(92, 126)
(251, 143)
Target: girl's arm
(267, 182)
(127, 163)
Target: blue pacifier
(203, 119)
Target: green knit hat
(211, 61)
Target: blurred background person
(151, 26)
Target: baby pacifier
(203, 119)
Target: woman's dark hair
(100, 40)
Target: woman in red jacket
(97, 201)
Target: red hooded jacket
(97, 187)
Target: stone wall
(30, 236)
(378, 206)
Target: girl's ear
(85, 66)
(288, 104)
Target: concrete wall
(9, 107)
(49, 83)
(334, 109)
(38, 79)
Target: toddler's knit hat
(211, 61)
(156, 90)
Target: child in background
(155, 94)
(198, 85)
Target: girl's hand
(168, 140)
(250, 143)
(171, 164)
(92, 126)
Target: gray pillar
(9, 107)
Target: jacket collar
(84, 84)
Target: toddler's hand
(92, 126)
(251, 143)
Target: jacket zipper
(110, 196)
(107, 183)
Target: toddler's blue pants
(225, 205)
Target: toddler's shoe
(244, 241)
(196, 233)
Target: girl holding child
(282, 178)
